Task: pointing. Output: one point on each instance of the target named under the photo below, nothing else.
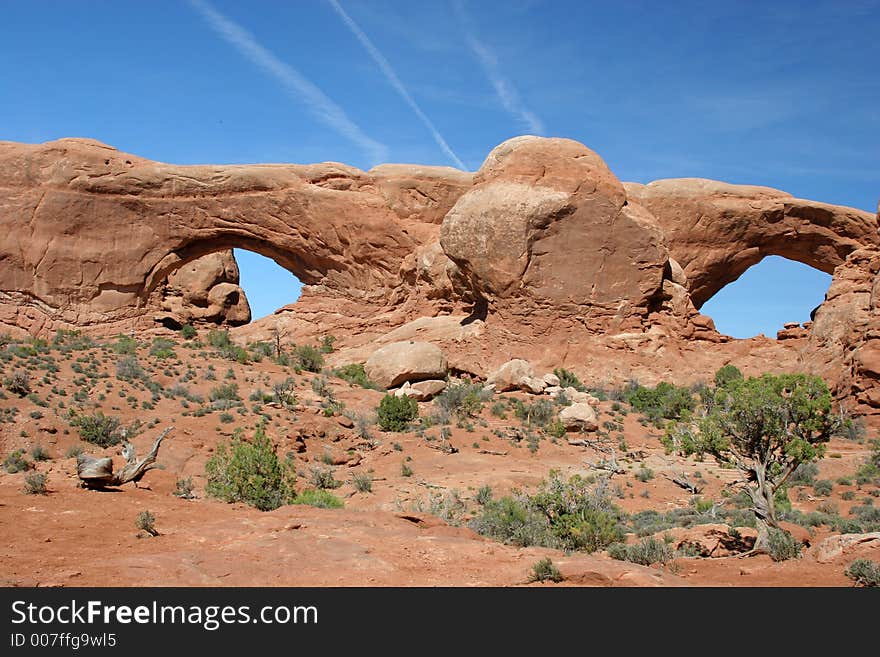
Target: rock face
(205, 290)
(542, 254)
(401, 362)
(547, 224)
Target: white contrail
(504, 89)
(395, 82)
(302, 89)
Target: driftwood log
(683, 482)
(98, 472)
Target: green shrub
(783, 545)
(727, 376)
(225, 392)
(355, 374)
(39, 453)
(395, 413)
(664, 401)
(499, 410)
(162, 348)
(537, 414)
(545, 571)
(15, 462)
(644, 474)
(864, 573)
(99, 429)
(308, 358)
(125, 345)
(405, 470)
(569, 380)
(226, 418)
(250, 472)
(35, 483)
(823, 487)
(646, 552)
(321, 498)
(188, 332)
(484, 495)
(561, 514)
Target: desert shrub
(124, 344)
(184, 489)
(327, 343)
(499, 410)
(783, 545)
(15, 462)
(805, 474)
(864, 573)
(39, 453)
(226, 418)
(646, 552)
(395, 413)
(561, 514)
(146, 521)
(537, 414)
(644, 474)
(823, 487)
(318, 497)
(162, 348)
(664, 401)
(35, 483)
(309, 358)
(219, 339)
(99, 429)
(727, 375)
(405, 470)
(484, 495)
(463, 400)
(569, 379)
(129, 369)
(250, 472)
(355, 374)
(362, 482)
(225, 392)
(188, 332)
(19, 383)
(322, 478)
(73, 452)
(545, 571)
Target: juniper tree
(765, 427)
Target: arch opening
(768, 295)
(266, 284)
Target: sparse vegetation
(646, 552)
(864, 573)
(35, 483)
(146, 522)
(184, 489)
(569, 380)
(355, 374)
(545, 571)
(323, 499)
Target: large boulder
(410, 361)
(579, 417)
(547, 223)
(510, 375)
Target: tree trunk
(764, 508)
(98, 472)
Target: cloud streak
(292, 81)
(394, 81)
(504, 89)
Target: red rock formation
(554, 258)
(204, 290)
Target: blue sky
(784, 94)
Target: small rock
(345, 421)
(551, 379)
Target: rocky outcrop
(204, 290)
(547, 225)
(542, 254)
(401, 362)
